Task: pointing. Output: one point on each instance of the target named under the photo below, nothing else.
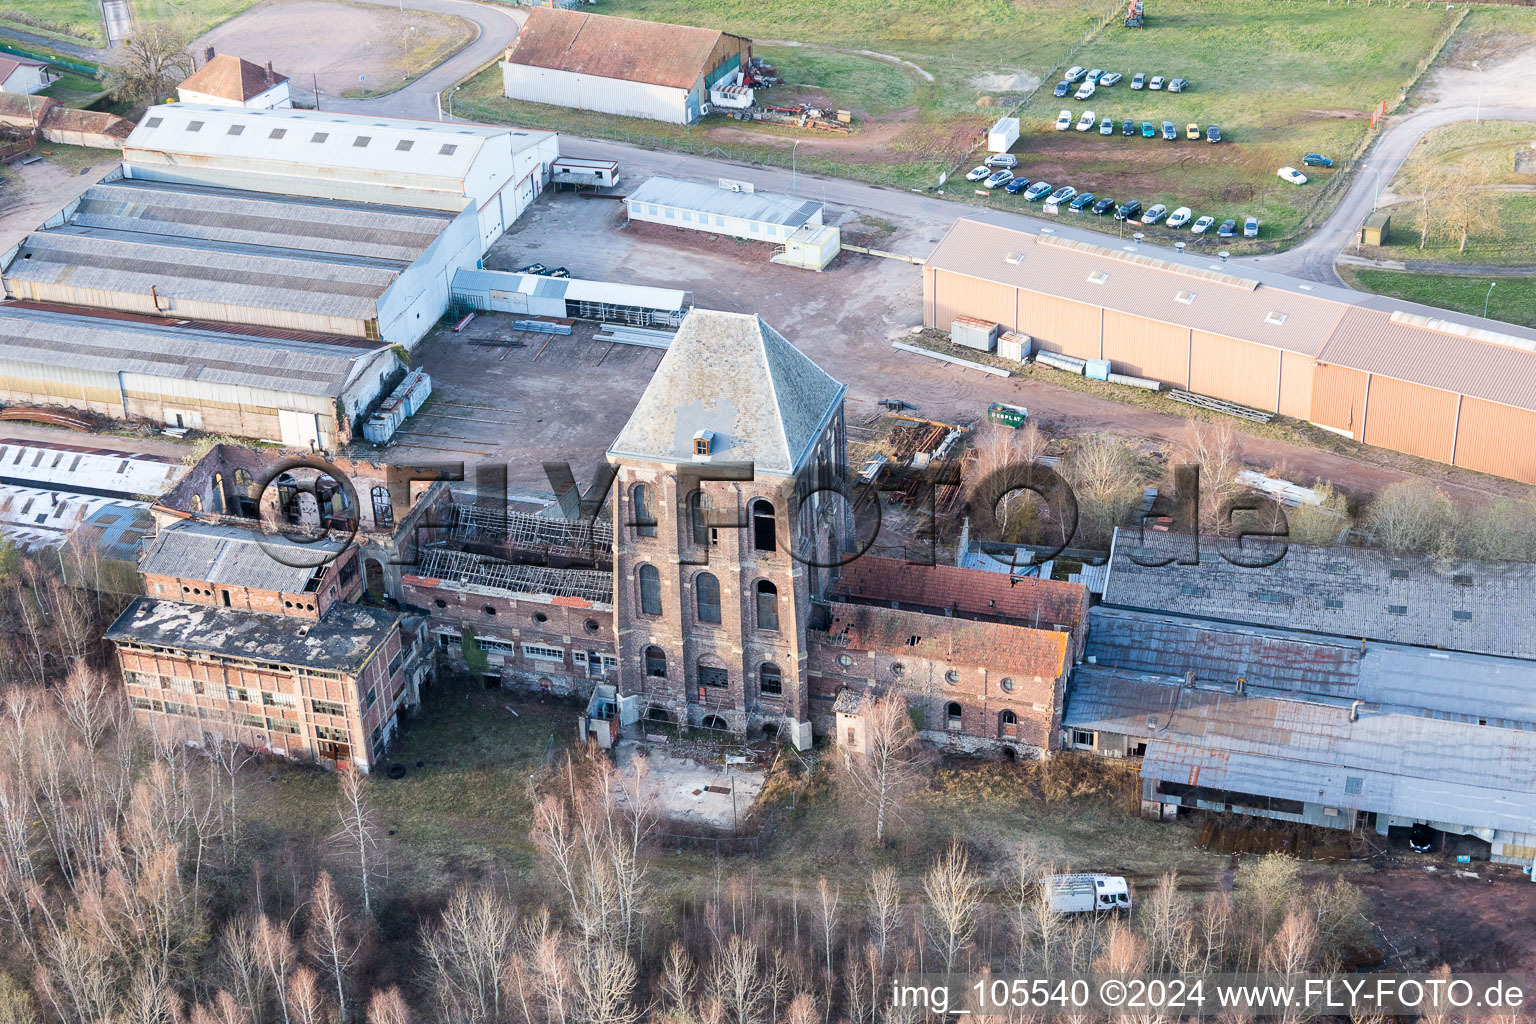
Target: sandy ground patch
(340, 47)
(34, 192)
(717, 796)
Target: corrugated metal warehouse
(619, 65)
(1441, 385)
(536, 295)
(734, 209)
(285, 262)
(290, 389)
(433, 165)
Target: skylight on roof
(404, 145)
(277, 133)
(1014, 258)
(194, 126)
(319, 137)
(361, 142)
(1187, 298)
(236, 129)
(1275, 317)
(154, 122)
(447, 150)
(1098, 277)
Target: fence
(84, 69)
(720, 845)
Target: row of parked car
(1090, 81)
(1128, 127)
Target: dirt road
(37, 191)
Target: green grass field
(1508, 241)
(81, 19)
(1486, 150)
(1513, 299)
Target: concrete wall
(343, 581)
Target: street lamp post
(1478, 116)
(450, 100)
(1487, 297)
(793, 168)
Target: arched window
(767, 605)
(764, 526)
(656, 662)
(197, 503)
(650, 590)
(383, 508)
(1008, 724)
(218, 493)
(698, 517)
(769, 680)
(644, 515)
(707, 590)
(713, 675)
(243, 480)
(953, 716)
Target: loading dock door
(299, 429)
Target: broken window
(383, 508)
(650, 590)
(770, 680)
(953, 716)
(644, 520)
(707, 590)
(764, 527)
(656, 662)
(698, 517)
(767, 605)
(714, 676)
(1008, 724)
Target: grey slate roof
(238, 557)
(169, 210)
(1445, 684)
(732, 374)
(1390, 760)
(342, 641)
(106, 345)
(114, 261)
(1481, 607)
(693, 195)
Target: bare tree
(952, 894)
(883, 897)
(468, 952)
(149, 63)
(679, 976)
(358, 827)
(605, 977)
(829, 898)
(1104, 473)
(1411, 515)
(332, 938)
(388, 1006)
(1214, 449)
(274, 951)
(305, 1000)
(735, 982)
(891, 765)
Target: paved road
(1313, 259)
(498, 27)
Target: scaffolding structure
(528, 531)
(480, 571)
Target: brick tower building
(722, 533)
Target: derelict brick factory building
(619, 65)
(1440, 385)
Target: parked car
(1202, 225)
(1212, 133)
(979, 173)
(1016, 186)
(1128, 127)
(1061, 195)
(1064, 120)
(1148, 130)
(1228, 228)
(1083, 91)
(1002, 160)
(1088, 120)
(1107, 126)
(1292, 175)
(1110, 78)
(999, 178)
(1316, 160)
(1250, 227)
(1079, 201)
(1095, 75)
(1138, 80)
(1178, 218)
(1037, 190)
(1063, 87)
(1156, 83)
(1103, 206)
(1169, 131)
(1192, 131)
(1178, 85)
(1128, 210)
(1075, 73)
(1155, 213)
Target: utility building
(213, 254)
(620, 65)
(1440, 385)
(230, 81)
(446, 166)
(732, 208)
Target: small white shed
(1002, 136)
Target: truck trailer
(1082, 894)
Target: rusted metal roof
(1012, 650)
(972, 593)
(232, 78)
(623, 48)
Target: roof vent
(1304, 287)
(1047, 231)
(1434, 323)
(1188, 298)
(1098, 277)
(1015, 258)
(1275, 317)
